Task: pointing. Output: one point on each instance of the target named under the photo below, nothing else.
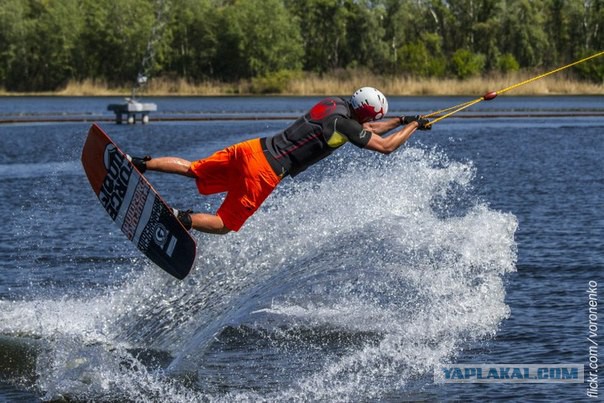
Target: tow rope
(445, 113)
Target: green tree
(14, 26)
(469, 24)
(595, 24)
(323, 24)
(523, 33)
(566, 27)
(114, 39)
(404, 23)
(445, 23)
(42, 60)
(594, 69)
(507, 62)
(193, 38)
(465, 64)
(486, 30)
(257, 37)
(423, 57)
(44, 43)
(365, 45)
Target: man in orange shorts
(249, 171)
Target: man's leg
(172, 165)
(209, 223)
(203, 222)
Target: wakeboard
(133, 204)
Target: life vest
(310, 138)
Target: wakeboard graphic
(133, 204)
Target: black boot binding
(185, 218)
(139, 163)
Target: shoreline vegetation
(339, 83)
(299, 47)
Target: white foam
(369, 247)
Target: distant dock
(130, 109)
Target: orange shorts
(243, 172)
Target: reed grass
(476, 86)
(342, 83)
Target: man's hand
(405, 120)
(423, 123)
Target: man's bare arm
(388, 144)
(382, 126)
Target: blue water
(474, 243)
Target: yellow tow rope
(492, 94)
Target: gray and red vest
(327, 126)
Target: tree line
(46, 43)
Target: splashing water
(351, 286)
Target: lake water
(476, 243)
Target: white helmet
(369, 104)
